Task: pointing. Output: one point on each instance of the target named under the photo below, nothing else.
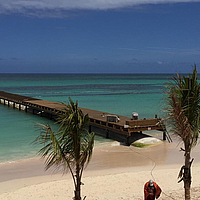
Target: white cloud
(164, 50)
(128, 49)
(57, 7)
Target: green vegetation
(70, 148)
(140, 145)
(183, 99)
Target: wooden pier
(122, 130)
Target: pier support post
(26, 109)
(107, 133)
(128, 140)
(19, 106)
(164, 135)
(8, 103)
(90, 128)
(4, 102)
(13, 105)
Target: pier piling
(90, 129)
(122, 130)
(107, 134)
(164, 135)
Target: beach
(127, 65)
(115, 172)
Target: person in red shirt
(151, 190)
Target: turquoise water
(119, 94)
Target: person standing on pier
(151, 190)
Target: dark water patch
(95, 94)
(112, 87)
(79, 77)
(46, 77)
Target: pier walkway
(124, 127)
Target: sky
(98, 36)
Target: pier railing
(123, 125)
(146, 124)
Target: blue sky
(113, 36)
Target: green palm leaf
(183, 100)
(71, 147)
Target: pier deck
(125, 126)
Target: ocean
(114, 93)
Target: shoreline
(105, 157)
(102, 185)
(113, 170)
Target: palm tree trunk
(78, 177)
(187, 172)
(77, 191)
(187, 190)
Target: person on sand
(151, 190)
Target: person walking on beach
(151, 190)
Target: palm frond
(183, 100)
(71, 144)
(87, 148)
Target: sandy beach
(115, 172)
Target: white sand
(115, 173)
(105, 187)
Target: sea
(120, 94)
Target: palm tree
(183, 99)
(70, 148)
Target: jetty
(121, 128)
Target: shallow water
(119, 94)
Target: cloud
(195, 51)
(16, 59)
(134, 59)
(61, 27)
(58, 8)
(128, 49)
(175, 50)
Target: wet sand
(115, 172)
